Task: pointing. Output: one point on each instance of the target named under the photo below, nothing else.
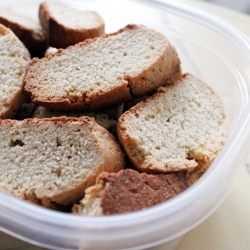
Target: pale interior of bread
(72, 18)
(46, 156)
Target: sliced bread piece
(104, 71)
(51, 162)
(102, 118)
(180, 127)
(14, 62)
(28, 30)
(128, 191)
(65, 26)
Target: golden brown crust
(60, 36)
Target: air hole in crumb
(152, 47)
(69, 157)
(133, 191)
(58, 142)
(125, 53)
(16, 143)
(57, 171)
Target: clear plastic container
(211, 49)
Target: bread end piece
(129, 191)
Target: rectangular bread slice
(128, 191)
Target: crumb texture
(54, 160)
(14, 61)
(72, 18)
(104, 70)
(179, 127)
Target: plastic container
(211, 49)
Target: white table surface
(229, 227)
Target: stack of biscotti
(57, 26)
(179, 129)
(171, 130)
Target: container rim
(182, 201)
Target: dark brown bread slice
(104, 71)
(65, 26)
(51, 162)
(129, 191)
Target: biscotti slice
(104, 71)
(28, 30)
(180, 127)
(128, 191)
(51, 162)
(65, 26)
(102, 118)
(14, 62)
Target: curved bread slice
(52, 161)
(65, 26)
(28, 30)
(116, 193)
(104, 71)
(178, 128)
(14, 62)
